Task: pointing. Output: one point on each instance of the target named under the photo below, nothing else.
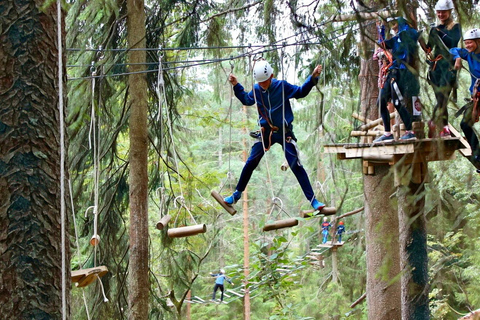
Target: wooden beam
(376, 122)
(326, 211)
(220, 201)
(286, 223)
(163, 222)
(467, 150)
(187, 231)
(365, 133)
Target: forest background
(198, 140)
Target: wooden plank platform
(410, 151)
(329, 244)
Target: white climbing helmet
(444, 5)
(222, 270)
(262, 71)
(472, 34)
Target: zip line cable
(210, 61)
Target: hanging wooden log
(219, 199)
(84, 277)
(163, 222)
(286, 223)
(187, 231)
(95, 240)
(326, 211)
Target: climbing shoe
(255, 134)
(384, 138)
(317, 205)
(233, 198)
(445, 132)
(409, 135)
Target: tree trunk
(381, 224)
(381, 233)
(413, 252)
(138, 283)
(30, 198)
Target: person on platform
(340, 231)
(325, 229)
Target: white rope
(160, 90)
(77, 243)
(62, 157)
(261, 133)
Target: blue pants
(325, 236)
(339, 237)
(257, 152)
(217, 286)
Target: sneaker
(445, 132)
(317, 205)
(233, 198)
(409, 135)
(255, 134)
(384, 138)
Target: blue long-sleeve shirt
(404, 45)
(473, 60)
(221, 278)
(270, 101)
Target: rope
(283, 104)
(261, 132)
(77, 243)
(62, 158)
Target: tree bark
(381, 233)
(30, 198)
(413, 252)
(381, 223)
(138, 281)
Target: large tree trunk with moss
(381, 224)
(30, 197)
(138, 283)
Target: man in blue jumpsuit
(272, 98)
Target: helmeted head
(472, 39)
(262, 71)
(222, 271)
(325, 219)
(341, 223)
(444, 5)
(444, 9)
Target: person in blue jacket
(401, 85)
(441, 75)
(340, 230)
(219, 283)
(471, 54)
(275, 116)
(325, 228)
